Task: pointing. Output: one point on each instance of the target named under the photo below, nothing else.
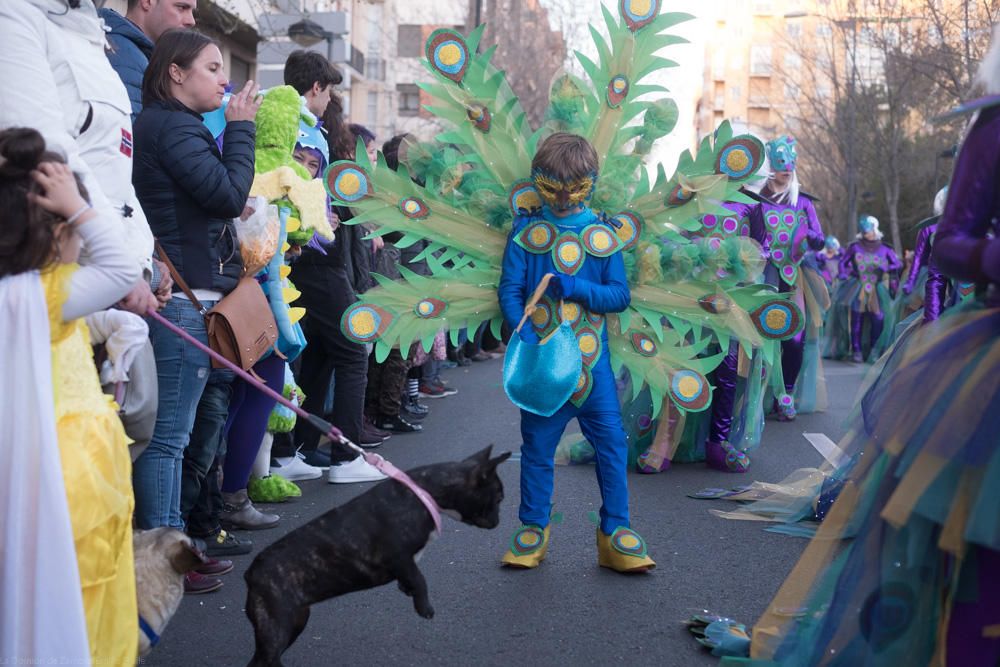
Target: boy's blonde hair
(566, 157)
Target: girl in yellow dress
(46, 219)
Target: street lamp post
(308, 33)
(852, 128)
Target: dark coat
(348, 256)
(191, 192)
(129, 55)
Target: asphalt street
(568, 611)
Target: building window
(408, 99)
(735, 92)
(823, 60)
(824, 30)
(239, 72)
(763, 7)
(793, 29)
(793, 62)
(374, 69)
(409, 39)
(372, 108)
(760, 59)
(792, 91)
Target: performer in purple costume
(724, 378)
(867, 260)
(962, 250)
(936, 285)
(934, 288)
(790, 229)
(828, 259)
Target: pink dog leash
(325, 427)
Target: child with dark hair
(330, 279)
(46, 217)
(568, 240)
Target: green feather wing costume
(476, 179)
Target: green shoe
(272, 489)
(292, 489)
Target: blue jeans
(205, 446)
(182, 372)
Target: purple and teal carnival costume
(736, 415)
(790, 230)
(828, 260)
(865, 264)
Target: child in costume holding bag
(46, 218)
(577, 247)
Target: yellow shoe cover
(527, 547)
(623, 551)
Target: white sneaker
(357, 470)
(295, 469)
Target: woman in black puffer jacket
(190, 192)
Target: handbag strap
(177, 278)
(536, 296)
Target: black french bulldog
(367, 542)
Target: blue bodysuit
(583, 246)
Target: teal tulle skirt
(837, 343)
(905, 568)
(810, 386)
(905, 304)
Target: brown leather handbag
(240, 326)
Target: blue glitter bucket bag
(541, 378)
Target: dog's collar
(395, 473)
(147, 630)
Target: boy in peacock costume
(480, 183)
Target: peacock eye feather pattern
(448, 54)
(484, 113)
(701, 182)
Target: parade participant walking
(935, 288)
(791, 230)
(564, 170)
(866, 262)
(828, 259)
